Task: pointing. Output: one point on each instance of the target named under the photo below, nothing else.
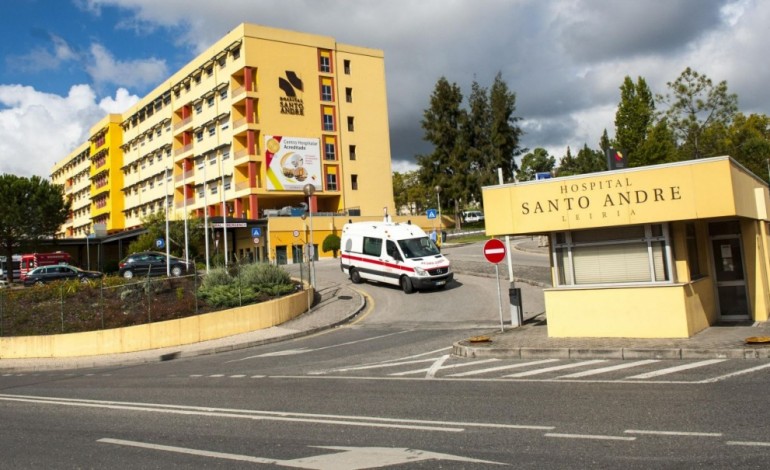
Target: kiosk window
(618, 255)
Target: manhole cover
(758, 340)
(480, 339)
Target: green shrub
(217, 277)
(331, 243)
(227, 296)
(263, 275)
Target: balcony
(242, 185)
(184, 176)
(182, 150)
(184, 122)
(182, 204)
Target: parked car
(44, 274)
(152, 263)
(473, 216)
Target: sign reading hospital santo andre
(651, 194)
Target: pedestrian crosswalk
(447, 367)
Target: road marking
(436, 366)
(349, 458)
(671, 370)
(215, 376)
(555, 368)
(452, 366)
(603, 370)
(382, 365)
(733, 374)
(288, 352)
(238, 376)
(453, 426)
(510, 366)
(744, 443)
(674, 433)
(591, 436)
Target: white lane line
(297, 351)
(495, 369)
(672, 370)
(400, 359)
(216, 375)
(452, 366)
(590, 436)
(733, 374)
(674, 433)
(436, 366)
(453, 426)
(555, 368)
(745, 443)
(184, 450)
(238, 376)
(603, 370)
(382, 366)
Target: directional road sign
(494, 250)
(256, 232)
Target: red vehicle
(31, 261)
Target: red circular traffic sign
(494, 250)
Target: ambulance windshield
(418, 247)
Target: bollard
(517, 313)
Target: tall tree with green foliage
(567, 165)
(747, 140)
(695, 104)
(476, 136)
(504, 132)
(536, 161)
(659, 146)
(31, 209)
(589, 160)
(410, 195)
(635, 115)
(443, 122)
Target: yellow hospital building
(236, 136)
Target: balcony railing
(242, 185)
(181, 150)
(183, 123)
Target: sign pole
(499, 297)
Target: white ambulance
(398, 254)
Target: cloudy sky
(66, 63)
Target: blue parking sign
(160, 243)
(256, 232)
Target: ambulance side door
(393, 261)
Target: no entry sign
(494, 250)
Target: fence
(113, 302)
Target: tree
(568, 165)
(590, 161)
(331, 243)
(504, 132)
(410, 195)
(476, 138)
(32, 209)
(634, 116)
(748, 142)
(155, 223)
(659, 146)
(442, 123)
(695, 104)
(537, 161)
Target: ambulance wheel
(354, 276)
(406, 285)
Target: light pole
(88, 250)
(438, 199)
(309, 190)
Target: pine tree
(634, 117)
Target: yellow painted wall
(158, 335)
(675, 311)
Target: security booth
(661, 251)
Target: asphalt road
(350, 398)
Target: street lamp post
(438, 199)
(309, 190)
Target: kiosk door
(730, 277)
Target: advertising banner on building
(292, 162)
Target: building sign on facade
(292, 162)
(291, 103)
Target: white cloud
(40, 59)
(104, 68)
(38, 129)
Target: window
(354, 182)
(372, 246)
(328, 120)
(209, 70)
(352, 151)
(351, 126)
(349, 95)
(225, 154)
(331, 182)
(210, 101)
(236, 53)
(325, 61)
(212, 131)
(326, 92)
(330, 152)
(223, 94)
(222, 61)
(198, 136)
(198, 107)
(347, 67)
(617, 255)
